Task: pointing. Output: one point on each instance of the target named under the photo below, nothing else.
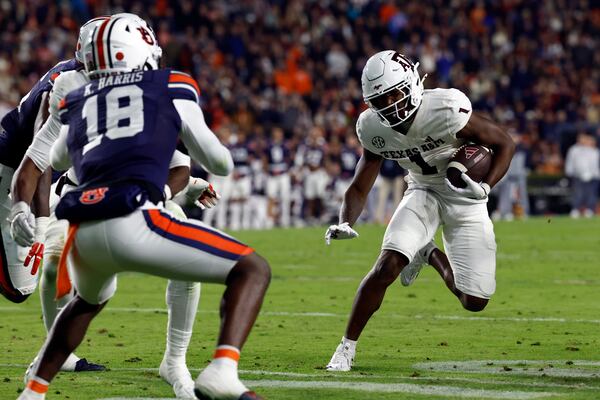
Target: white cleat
(411, 271)
(177, 375)
(342, 359)
(219, 381)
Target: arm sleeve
(59, 153)
(179, 160)
(200, 141)
(39, 149)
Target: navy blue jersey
(391, 169)
(348, 160)
(125, 127)
(17, 126)
(278, 156)
(313, 157)
(241, 159)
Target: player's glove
(201, 193)
(473, 190)
(36, 252)
(338, 232)
(22, 224)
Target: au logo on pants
(93, 196)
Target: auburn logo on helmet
(93, 196)
(146, 36)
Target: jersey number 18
(123, 115)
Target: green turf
(546, 269)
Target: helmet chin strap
(147, 66)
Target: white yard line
(423, 366)
(372, 387)
(344, 315)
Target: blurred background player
(512, 189)
(582, 166)
(390, 188)
(129, 190)
(241, 183)
(401, 118)
(279, 184)
(312, 156)
(181, 297)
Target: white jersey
(39, 150)
(431, 140)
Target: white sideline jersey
(426, 148)
(39, 150)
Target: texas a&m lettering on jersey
(430, 144)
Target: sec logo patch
(378, 142)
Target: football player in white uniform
(181, 297)
(421, 129)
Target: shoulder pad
(183, 86)
(63, 84)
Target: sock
(182, 300)
(37, 387)
(226, 355)
(50, 307)
(349, 344)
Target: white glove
(22, 224)
(473, 190)
(339, 232)
(201, 193)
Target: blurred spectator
(583, 167)
(512, 189)
(296, 64)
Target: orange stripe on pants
(198, 234)
(63, 282)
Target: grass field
(538, 338)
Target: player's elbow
(222, 166)
(507, 144)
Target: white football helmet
(392, 87)
(121, 44)
(85, 32)
(137, 18)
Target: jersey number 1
(426, 169)
(124, 115)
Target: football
(473, 159)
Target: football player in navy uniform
(241, 184)
(279, 183)
(18, 129)
(315, 178)
(182, 297)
